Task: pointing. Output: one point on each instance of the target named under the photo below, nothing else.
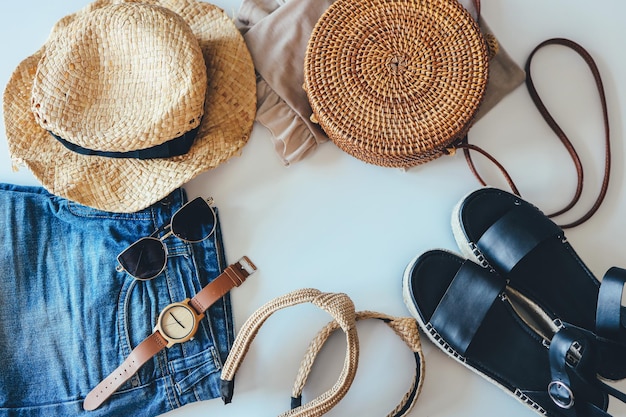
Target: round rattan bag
(395, 82)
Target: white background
(337, 224)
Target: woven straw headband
(337, 305)
(404, 327)
(341, 308)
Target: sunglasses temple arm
(166, 235)
(167, 227)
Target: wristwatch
(177, 323)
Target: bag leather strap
(463, 143)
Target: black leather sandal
(500, 230)
(466, 311)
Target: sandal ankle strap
(609, 323)
(573, 363)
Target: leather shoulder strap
(463, 143)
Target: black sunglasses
(146, 258)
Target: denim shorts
(68, 317)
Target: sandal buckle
(561, 394)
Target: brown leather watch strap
(140, 355)
(233, 276)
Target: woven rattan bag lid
(395, 82)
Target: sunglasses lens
(144, 259)
(194, 222)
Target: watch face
(177, 322)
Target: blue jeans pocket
(63, 301)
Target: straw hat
(395, 82)
(129, 100)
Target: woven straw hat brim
(127, 184)
(395, 82)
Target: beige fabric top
(278, 46)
